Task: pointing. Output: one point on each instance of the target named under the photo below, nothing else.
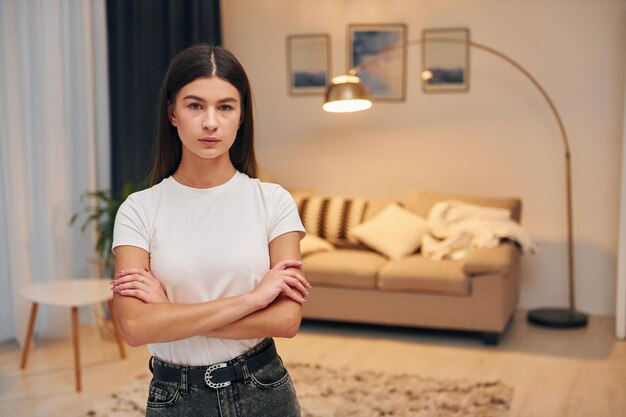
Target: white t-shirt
(206, 244)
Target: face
(207, 114)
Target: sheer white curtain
(54, 140)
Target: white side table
(72, 293)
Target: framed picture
(308, 63)
(445, 60)
(381, 52)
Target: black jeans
(263, 393)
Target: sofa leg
(490, 338)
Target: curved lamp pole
(347, 93)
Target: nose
(209, 121)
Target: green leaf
(100, 210)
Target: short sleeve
(131, 225)
(283, 213)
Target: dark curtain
(143, 37)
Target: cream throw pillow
(394, 232)
(311, 244)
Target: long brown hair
(196, 62)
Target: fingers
(298, 281)
(300, 278)
(130, 278)
(139, 294)
(141, 291)
(132, 271)
(288, 264)
(289, 292)
(297, 285)
(292, 281)
(132, 285)
(143, 276)
(294, 274)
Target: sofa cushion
(311, 244)
(394, 232)
(331, 218)
(343, 268)
(420, 274)
(375, 205)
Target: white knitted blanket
(457, 227)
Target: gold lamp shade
(346, 93)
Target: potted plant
(100, 212)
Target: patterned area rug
(325, 392)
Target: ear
(171, 115)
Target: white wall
(500, 139)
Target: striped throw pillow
(331, 218)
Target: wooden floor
(566, 373)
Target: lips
(209, 142)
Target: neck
(204, 173)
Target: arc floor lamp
(347, 93)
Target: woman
(207, 259)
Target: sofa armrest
(501, 259)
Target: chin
(212, 154)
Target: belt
(218, 375)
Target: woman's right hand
(139, 283)
(281, 280)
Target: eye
(195, 106)
(225, 107)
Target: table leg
(118, 337)
(76, 347)
(29, 334)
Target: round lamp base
(557, 317)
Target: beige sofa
(353, 283)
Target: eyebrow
(224, 100)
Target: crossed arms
(272, 309)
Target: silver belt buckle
(208, 376)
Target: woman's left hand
(139, 283)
